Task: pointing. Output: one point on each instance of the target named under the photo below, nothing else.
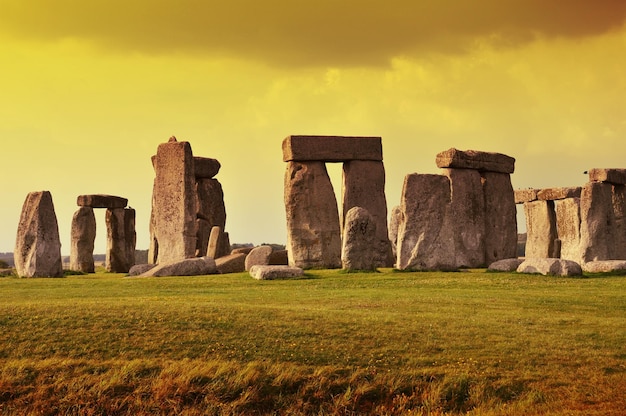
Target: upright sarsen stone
(313, 232)
(121, 239)
(541, 229)
(597, 227)
(38, 247)
(83, 235)
(568, 228)
(211, 213)
(500, 217)
(359, 240)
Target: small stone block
(525, 195)
(205, 167)
(331, 148)
(101, 201)
(474, 159)
(263, 272)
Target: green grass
(329, 343)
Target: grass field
(331, 343)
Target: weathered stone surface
(258, 256)
(331, 148)
(553, 194)
(139, 269)
(359, 240)
(597, 222)
(83, 235)
(605, 266)
(233, 263)
(613, 176)
(211, 212)
(6, 272)
(279, 258)
(244, 250)
(101, 201)
(525, 195)
(395, 219)
(121, 239)
(550, 267)
(541, 229)
(425, 237)
(205, 167)
(568, 228)
(619, 214)
(268, 272)
(313, 232)
(505, 265)
(364, 186)
(467, 216)
(214, 249)
(38, 247)
(174, 202)
(473, 159)
(196, 266)
(500, 217)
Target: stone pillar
(568, 228)
(364, 186)
(313, 232)
(394, 224)
(541, 229)
(37, 246)
(597, 226)
(619, 212)
(500, 217)
(359, 243)
(83, 235)
(121, 238)
(211, 212)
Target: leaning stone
(394, 224)
(473, 159)
(331, 148)
(500, 217)
(188, 267)
(525, 195)
(359, 241)
(597, 222)
(233, 263)
(279, 258)
(364, 186)
(605, 266)
(541, 229)
(101, 201)
(138, 269)
(550, 267)
(83, 235)
(121, 239)
(505, 265)
(38, 247)
(258, 256)
(553, 194)
(613, 176)
(568, 228)
(267, 272)
(213, 245)
(313, 232)
(205, 167)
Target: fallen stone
(550, 267)
(279, 258)
(331, 148)
(197, 266)
(6, 272)
(38, 247)
(525, 195)
(605, 266)
(233, 263)
(267, 272)
(359, 241)
(553, 194)
(505, 265)
(473, 159)
(139, 269)
(205, 167)
(613, 176)
(101, 201)
(500, 217)
(258, 256)
(541, 229)
(83, 235)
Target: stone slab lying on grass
(233, 263)
(138, 269)
(258, 256)
(550, 267)
(605, 266)
(505, 265)
(196, 266)
(267, 272)
(6, 272)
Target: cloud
(307, 32)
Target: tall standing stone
(121, 239)
(38, 247)
(395, 219)
(597, 228)
(619, 213)
(174, 201)
(313, 232)
(500, 217)
(568, 228)
(360, 240)
(83, 235)
(364, 186)
(541, 231)
(211, 212)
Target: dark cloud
(307, 32)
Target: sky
(90, 89)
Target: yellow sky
(89, 89)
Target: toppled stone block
(550, 267)
(205, 167)
(197, 266)
(553, 194)
(605, 266)
(258, 256)
(473, 159)
(139, 269)
(613, 176)
(505, 265)
(101, 201)
(525, 195)
(267, 272)
(359, 236)
(233, 263)
(331, 148)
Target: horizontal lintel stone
(331, 148)
(474, 159)
(613, 176)
(553, 194)
(101, 201)
(525, 195)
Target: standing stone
(540, 229)
(425, 237)
(500, 217)
(174, 202)
(83, 236)
(38, 247)
(214, 242)
(364, 186)
(568, 228)
(258, 256)
(467, 216)
(394, 225)
(619, 213)
(211, 211)
(359, 240)
(597, 228)
(121, 238)
(153, 247)
(313, 232)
